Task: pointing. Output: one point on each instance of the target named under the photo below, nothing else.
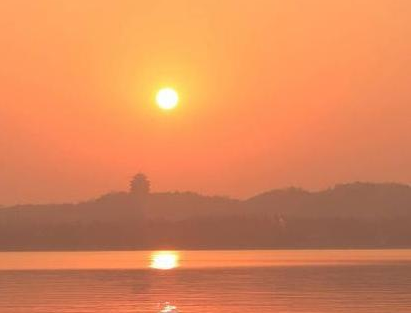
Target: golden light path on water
(170, 259)
(164, 260)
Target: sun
(164, 260)
(167, 98)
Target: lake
(290, 281)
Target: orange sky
(273, 93)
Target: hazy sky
(272, 93)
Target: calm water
(200, 281)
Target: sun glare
(164, 260)
(167, 98)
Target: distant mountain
(348, 215)
(183, 205)
(357, 200)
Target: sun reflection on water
(168, 308)
(164, 260)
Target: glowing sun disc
(167, 98)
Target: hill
(349, 215)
